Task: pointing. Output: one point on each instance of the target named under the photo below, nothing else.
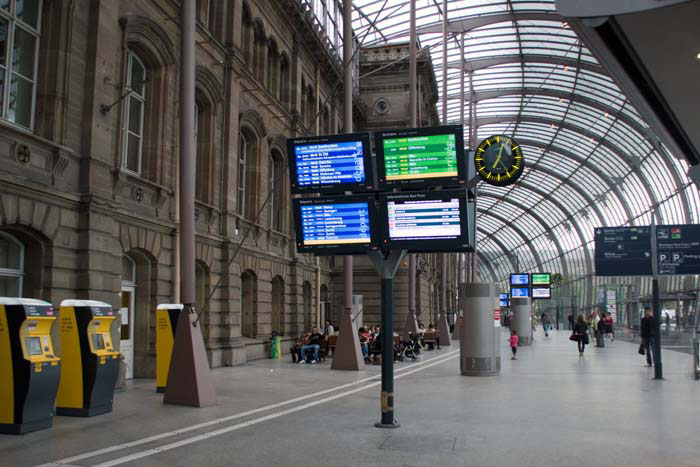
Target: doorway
(128, 292)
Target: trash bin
(275, 347)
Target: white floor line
(149, 439)
(228, 429)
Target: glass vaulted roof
(590, 158)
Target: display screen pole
(656, 302)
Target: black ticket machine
(90, 361)
(29, 368)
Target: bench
(332, 341)
(431, 338)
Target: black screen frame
(460, 180)
(518, 285)
(459, 244)
(338, 249)
(529, 292)
(532, 293)
(338, 188)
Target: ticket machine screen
(33, 345)
(98, 341)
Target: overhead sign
(503, 299)
(519, 292)
(541, 279)
(678, 250)
(520, 279)
(541, 292)
(623, 251)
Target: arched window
(11, 266)
(311, 109)
(277, 208)
(249, 313)
(247, 35)
(247, 174)
(20, 30)
(259, 51)
(278, 305)
(306, 301)
(133, 113)
(303, 110)
(272, 68)
(203, 141)
(284, 81)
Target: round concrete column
(522, 323)
(480, 347)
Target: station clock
(499, 160)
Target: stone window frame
(132, 59)
(285, 84)
(252, 128)
(208, 97)
(277, 209)
(156, 51)
(14, 24)
(10, 272)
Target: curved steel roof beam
(487, 263)
(516, 229)
(538, 218)
(503, 248)
(473, 22)
(576, 129)
(482, 63)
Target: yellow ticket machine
(166, 323)
(29, 368)
(90, 362)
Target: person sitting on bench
(313, 342)
(296, 349)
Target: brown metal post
(411, 325)
(189, 378)
(442, 325)
(348, 354)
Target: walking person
(580, 334)
(646, 328)
(513, 343)
(600, 333)
(571, 321)
(545, 323)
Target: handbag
(641, 349)
(573, 337)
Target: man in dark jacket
(600, 334)
(647, 332)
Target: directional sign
(623, 251)
(678, 249)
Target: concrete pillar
(480, 346)
(522, 321)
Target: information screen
(428, 221)
(678, 249)
(98, 341)
(503, 298)
(421, 157)
(541, 279)
(339, 224)
(519, 292)
(623, 251)
(541, 292)
(520, 279)
(330, 163)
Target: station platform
(549, 407)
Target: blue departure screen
(335, 224)
(520, 279)
(330, 163)
(519, 292)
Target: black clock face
(499, 160)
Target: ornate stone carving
(137, 194)
(23, 153)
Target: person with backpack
(580, 334)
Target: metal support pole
(386, 267)
(656, 301)
(347, 113)
(187, 156)
(413, 105)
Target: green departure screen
(541, 279)
(420, 157)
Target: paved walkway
(548, 408)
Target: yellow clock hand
(498, 159)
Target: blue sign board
(330, 163)
(520, 279)
(623, 251)
(332, 224)
(519, 292)
(678, 249)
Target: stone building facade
(89, 164)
